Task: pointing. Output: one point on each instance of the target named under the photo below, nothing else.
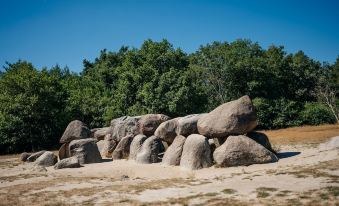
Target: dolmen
(223, 137)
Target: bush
(31, 108)
(316, 113)
(277, 113)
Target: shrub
(315, 113)
(277, 113)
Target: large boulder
(122, 126)
(172, 155)
(24, 156)
(136, 146)
(71, 162)
(188, 125)
(150, 122)
(242, 151)
(75, 130)
(262, 139)
(150, 151)
(35, 156)
(86, 150)
(64, 151)
(196, 153)
(232, 118)
(47, 159)
(109, 145)
(122, 149)
(167, 130)
(100, 133)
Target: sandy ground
(306, 174)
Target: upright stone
(109, 145)
(136, 146)
(172, 155)
(150, 151)
(64, 151)
(122, 149)
(86, 150)
(196, 153)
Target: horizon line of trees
(287, 89)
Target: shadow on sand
(106, 160)
(282, 155)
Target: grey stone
(167, 130)
(122, 126)
(47, 159)
(122, 149)
(71, 162)
(100, 145)
(150, 151)
(136, 146)
(196, 153)
(35, 156)
(150, 122)
(242, 151)
(75, 130)
(188, 125)
(172, 155)
(262, 139)
(232, 118)
(109, 145)
(86, 150)
(64, 151)
(100, 133)
(24, 156)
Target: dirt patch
(303, 135)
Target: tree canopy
(36, 104)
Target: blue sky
(47, 32)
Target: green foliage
(277, 113)
(36, 105)
(30, 102)
(153, 79)
(316, 113)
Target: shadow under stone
(282, 155)
(106, 160)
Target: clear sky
(47, 32)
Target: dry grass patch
(20, 177)
(263, 192)
(9, 163)
(302, 135)
(205, 199)
(228, 191)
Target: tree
(31, 108)
(326, 91)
